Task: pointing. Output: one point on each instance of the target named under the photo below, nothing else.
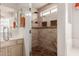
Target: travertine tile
(45, 38)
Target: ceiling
(9, 8)
(13, 7)
(38, 5)
(16, 5)
(23, 5)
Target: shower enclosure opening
(44, 31)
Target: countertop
(13, 38)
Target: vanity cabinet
(12, 48)
(3, 51)
(16, 50)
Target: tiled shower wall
(48, 38)
(34, 37)
(45, 37)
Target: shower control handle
(29, 31)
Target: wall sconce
(76, 5)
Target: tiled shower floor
(39, 51)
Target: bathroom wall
(35, 37)
(36, 29)
(34, 16)
(45, 37)
(61, 40)
(49, 18)
(75, 22)
(48, 38)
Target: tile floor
(39, 51)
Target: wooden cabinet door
(12, 48)
(16, 50)
(4, 51)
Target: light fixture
(76, 5)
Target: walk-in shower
(44, 31)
